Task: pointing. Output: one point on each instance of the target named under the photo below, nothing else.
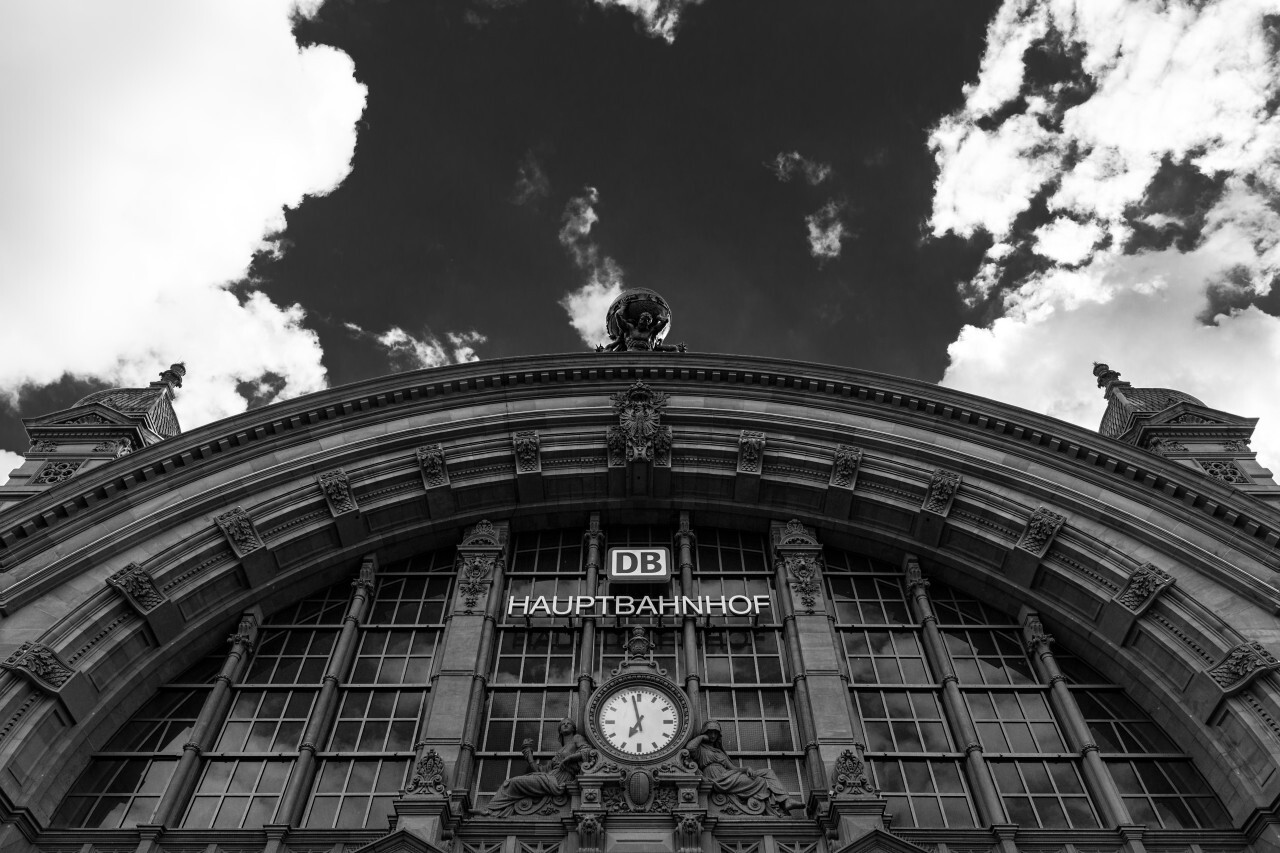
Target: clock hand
(639, 718)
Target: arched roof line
(814, 386)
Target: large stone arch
(853, 454)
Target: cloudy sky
(989, 195)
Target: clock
(639, 718)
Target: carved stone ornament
(845, 466)
(337, 490)
(688, 832)
(55, 472)
(138, 586)
(850, 777)
(1143, 586)
(526, 448)
(793, 534)
(803, 571)
(1242, 664)
(239, 530)
(40, 665)
(246, 632)
(750, 451)
(89, 419)
(485, 533)
(42, 445)
(431, 461)
(639, 431)
(590, 831)
(1224, 470)
(1041, 528)
(1191, 419)
(615, 442)
(474, 573)
(638, 319)
(428, 775)
(942, 488)
(1037, 637)
(1236, 446)
(1166, 445)
(915, 576)
(119, 447)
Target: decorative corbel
(843, 480)
(746, 484)
(435, 478)
(1023, 561)
(139, 589)
(1237, 669)
(938, 497)
(245, 541)
(797, 552)
(45, 670)
(528, 456)
(342, 505)
(1139, 593)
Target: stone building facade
(981, 629)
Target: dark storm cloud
(1173, 208)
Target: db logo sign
(639, 564)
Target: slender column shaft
(985, 796)
(1096, 775)
(212, 713)
(320, 721)
(799, 682)
(594, 541)
(465, 767)
(688, 625)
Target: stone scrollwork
(1241, 665)
(640, 435)
(942, 490)
(803, 571)
(750, 451)
(844, 468)
(42, 445)
(850, 776)
(138, 587)
(484, 533)
(428, 775)
(337, 491)
(1166, 445)
(40, 664)
(55, 472)
(1041, 528)
(1143, 586)
(431, 461)
(474, 574)
(239, 530)
(526, 447)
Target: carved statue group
(544, 788)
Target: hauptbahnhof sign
(630, 605)
(649, 565)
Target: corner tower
(99, 428)
(1183, 429)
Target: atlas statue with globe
(639, 319)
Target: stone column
(319, 723)
(1096, 775)
(797, 564)
(985, 796)
(452, 717)
(212, 713)
(594, 541)
(685, 541)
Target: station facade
(409, 614)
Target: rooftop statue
(638, 319)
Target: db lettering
(639, 564)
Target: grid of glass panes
(609, 651)
(368, 752)
(533, 676)
(242, 776)
(123, 783)
(1159, 785)
(909, 744)
(746, 685)
(1048, 794)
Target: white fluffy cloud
(660, 18)
(587, 304)
(788, 164)
(1160, 85)
(826, 231)
(150, 146)
(408, 352)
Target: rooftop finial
(171, 379)
(638, 319)
(1106, 376)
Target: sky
(990, 195)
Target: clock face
(639, 721)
